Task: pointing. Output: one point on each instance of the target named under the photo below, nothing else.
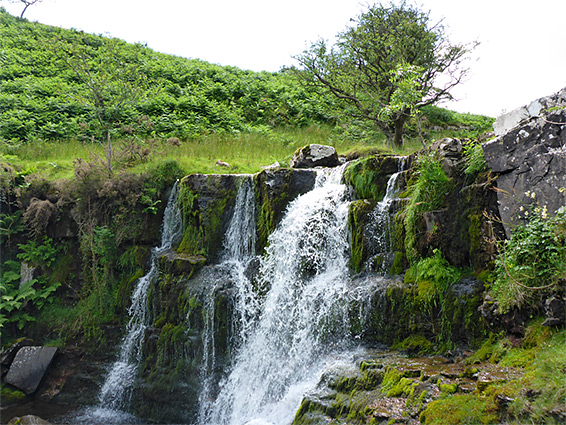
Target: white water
(302, 319)
(239, 250)
(117, 389)
(380, 231)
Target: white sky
(522, 55)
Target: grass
(245, 152)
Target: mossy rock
(359, 214)
(207, 202)
(369, 176)
(274, 190)
(180, 263)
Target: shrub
(531, 262)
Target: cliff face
(529, 156)
(422, 235)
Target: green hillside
(40, 95)
(204, 111)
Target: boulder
(315, 156)
(530, 159)
(28, 420)
(511, 119)
(29, 367)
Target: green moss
(391, 379)
(398, 263)
(11, 395)
(358, 214)
(368, 176)
(415, 343)
(404, 387)
(460, 409)
(449, 388)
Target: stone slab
(29, 367)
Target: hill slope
(40, 96)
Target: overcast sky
(522, 55)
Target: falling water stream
(303, 317)
(117, 389)
(289, 321)
(379, 231)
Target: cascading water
(379, 233)
(117, 389)
(239, 251)
(303, 316)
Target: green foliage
(475, 161)
(433, 275)
(531, 262)
(471, 124)
(38, 254)
(427, 193)
(42, 97)
(19, 301)
(376, 75)
(10, 224)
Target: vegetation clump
(427, 192)
(532, 263)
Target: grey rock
(315, 156)
(29, 366)
(27, 272)
(511, 119)
(8, 355)
(554, 308)
(531, 162)
(28, 420)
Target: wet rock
(274, 189)
(314, 156)
(28, 420)
(180, 263)
(29, 366)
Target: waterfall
(302, 318)
(238, 252)
(379, 231)
(117, 389)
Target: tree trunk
(108, 152)
(399, 128)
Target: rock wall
(529, 156)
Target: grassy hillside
(188, 110)
(40, 97)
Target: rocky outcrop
(274, 189)
(388, 387)
(530, 159)
(535, 109)
(29, 366)
(314, 156)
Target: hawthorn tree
(393, 61)
(110, 81)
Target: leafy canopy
(386, 66)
